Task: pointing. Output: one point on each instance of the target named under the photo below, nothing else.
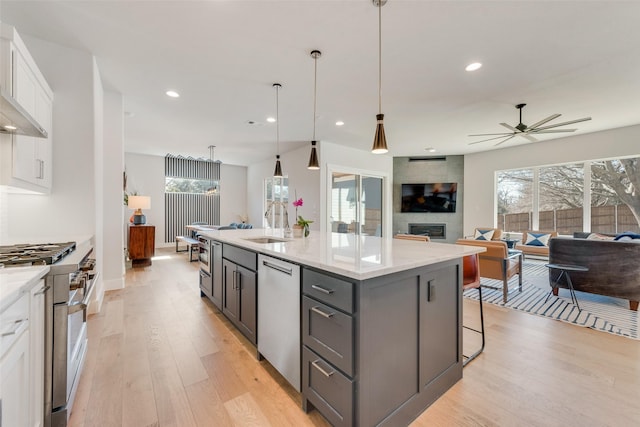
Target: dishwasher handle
(284, 270)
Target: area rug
(598, 312)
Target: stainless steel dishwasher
(279, 316)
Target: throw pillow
(537, 239)
(484, 234)
(597, 236)
(628, 235)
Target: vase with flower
(301, 227)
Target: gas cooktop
(34, 254)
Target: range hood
(15, 119)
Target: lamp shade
(313, 158)
(139, 202)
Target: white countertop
(358, 257)
(14, 281)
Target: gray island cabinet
(380, 351)
(381, 320)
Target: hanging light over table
(313, 158)
(379, 141)
(278, 170)
(214, 187)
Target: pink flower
(297, 203)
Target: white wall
(480, 168)
(233, 193)
(113, 159)
(311, 185)
(145, 176)
(70, 210)
(304, 182)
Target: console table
(141, 244)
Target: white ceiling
(578, 58)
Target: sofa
(614, 266)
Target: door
(14, 378)
(439, 314)
(246, 288)
(230, 301)
(356, 203)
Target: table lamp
(138, 203)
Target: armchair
(498, 263)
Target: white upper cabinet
(26, 161)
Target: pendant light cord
(277, 122)
(380, 56)
(315, 85)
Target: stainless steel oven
(68, 288)
(204, 255)
(67, 336)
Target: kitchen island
(380, 319)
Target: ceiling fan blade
(528, 137)
(505, 140)
(553, 130)
(564, 123)
(490, 139)
(490, 134)
(510, 127)
(543, 121)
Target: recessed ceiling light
(9, 127)
(271, 119)
(172, 94)
(339, 123)
(473, 66)
(430, 149)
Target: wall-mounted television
(433, 197)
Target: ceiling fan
(527, 132)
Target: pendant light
(278, 171)
(379, 141)
(313, 158)
(214, 187)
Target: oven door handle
(82, 305)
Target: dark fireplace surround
(434, 231)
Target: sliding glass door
(356, 203)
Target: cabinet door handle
(239, 281)
(322, 313)
(284, 270)
(16, 326)
(233, 283)
(321, 289)
(43, 290)
(431, 292)
(322, 371)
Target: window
(276, 201)
(356, 204)
(554, 197)
(515, 199)
(186, 185)
(186, 199)
(561, 198)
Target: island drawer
(327, 389)
(243, 257)
(328, 289)
(329, 333)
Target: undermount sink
(265, 240)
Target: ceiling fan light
(380, 140)
(313, 158)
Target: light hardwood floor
(159, 355)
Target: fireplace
(434, 231)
